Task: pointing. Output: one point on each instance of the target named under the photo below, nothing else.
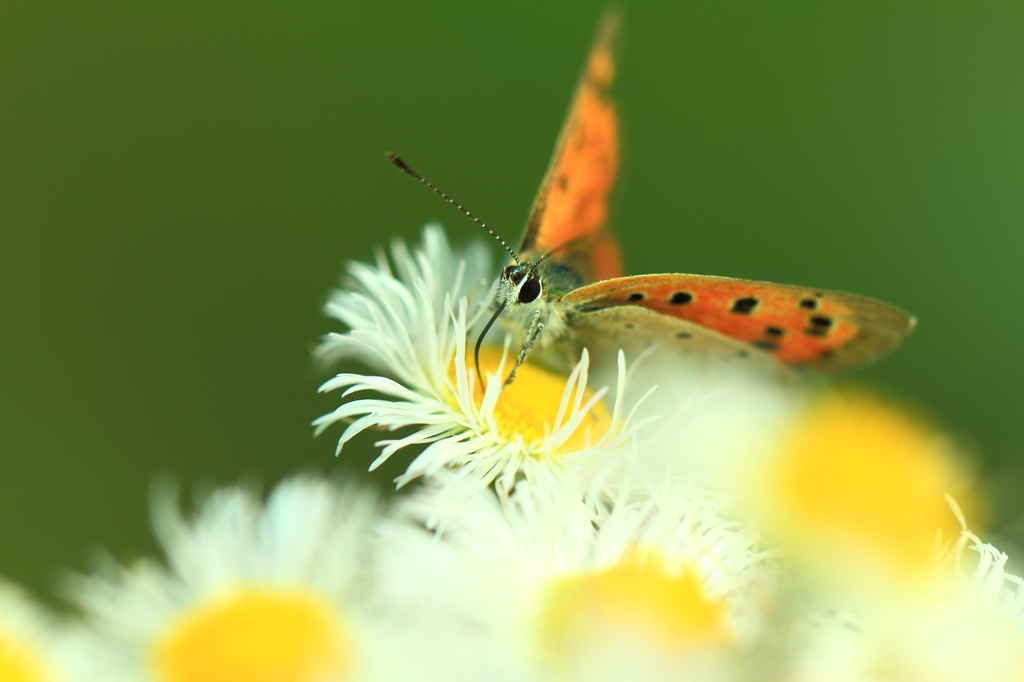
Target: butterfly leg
(531, 338)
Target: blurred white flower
(249, 593)
(30, 647)
(949, 632)
(556, 581)
(879, 575)
(856, 492)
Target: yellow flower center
(529, 406)
(637, 598)
(857, 475)
(18, 661)
(255, 635)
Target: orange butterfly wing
(570, 214)
(797, 326)
(753, 322)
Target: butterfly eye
(529, 291)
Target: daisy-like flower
(410, 322)
(27, 640)
(249, 593)
(988, 580)
(555, 584)
(856, 489)
(967, 626)
(879, 586)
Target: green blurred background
(180, 183)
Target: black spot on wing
(636, 296)
(765, 345)
(680, 298)
(819, 325)
(744, 306)
(809, 304)
(774, 331)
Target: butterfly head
(519, 283)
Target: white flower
(988, 581)
(552, 582)
(249, 592)
(881, 582)
(29, 647)
(947, 633)
(411, 322)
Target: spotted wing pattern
(570, 214)
(797, 326)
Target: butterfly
(566, 285)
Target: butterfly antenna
(409, 171)
(480, 340)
